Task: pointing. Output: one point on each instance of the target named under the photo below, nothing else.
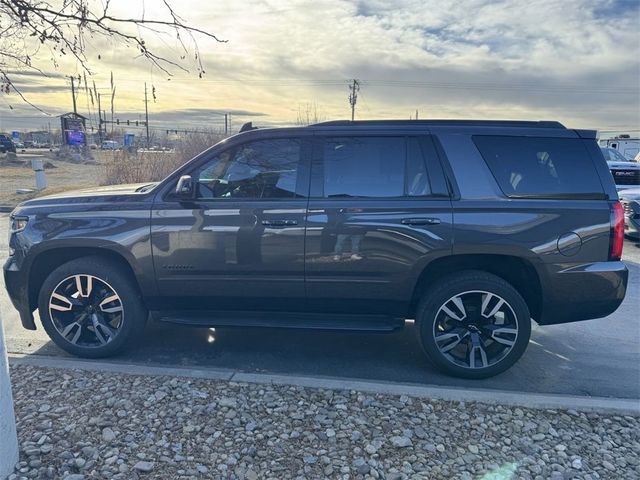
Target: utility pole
(99, 122)
(416, 114)
(353, 97)
(226, 124)
(146, 112)
(73, 93)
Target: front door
(239, 245)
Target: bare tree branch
(66, 26)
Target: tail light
(617, 231)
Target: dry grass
(123, 167)
(110, 168)
(67, 176)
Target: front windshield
(612, 155)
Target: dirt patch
(61, 176)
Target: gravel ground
(77, 424)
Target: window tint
(418, 182)
(261, 169)
(530, 166)
(364, 167)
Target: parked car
(627, 146)
(6, 144)
(472, 228)
(630, 200)
(626, 173)
(110, 145)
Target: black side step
(324, 321)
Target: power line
(529, 86)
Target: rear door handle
(420, 221)
(279, 223)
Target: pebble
(143, 466)
(401, 442)
(110, 425)
(108, 435)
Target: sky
(575, 61)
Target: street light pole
(8, 436)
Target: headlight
(18, 224)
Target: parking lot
(593, 358)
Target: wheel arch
(517, 271)
(48, 260)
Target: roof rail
(447, 123)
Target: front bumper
(583, 292)
(17, 285)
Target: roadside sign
(75, 137)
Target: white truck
(627, 146)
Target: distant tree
(64, 27)
(308, 114)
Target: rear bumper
(583, 292)
(17, 287)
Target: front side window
(255, 170)
(537, 166)
(369, 167)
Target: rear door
(379, 211)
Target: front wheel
(473, 325)
(91, 307)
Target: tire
(91, 306)
(473, 344)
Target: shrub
(146, 166)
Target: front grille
(627, 209)
(626, 177)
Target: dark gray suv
(472, 228)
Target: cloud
(577, 62)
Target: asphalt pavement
(592, 358)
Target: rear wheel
(91, 307)
(473, 325)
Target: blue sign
(75, 137)
(15, 135)
(128, 139)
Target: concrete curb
(8, 435)
(618, 406)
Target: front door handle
(420, 221)
(279, 223)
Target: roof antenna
(247, 126)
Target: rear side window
(540, 167)
(364, 167)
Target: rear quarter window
(540, 167)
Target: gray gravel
(82, 425)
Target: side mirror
(184, 188)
